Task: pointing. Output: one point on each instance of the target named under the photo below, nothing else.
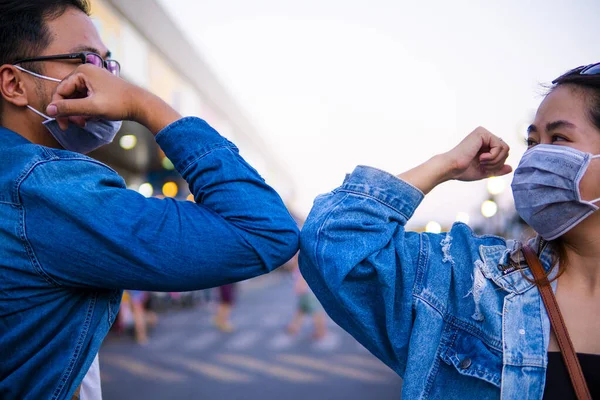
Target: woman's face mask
(546, 189)
(555, 185)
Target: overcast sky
(332, 84)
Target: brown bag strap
(558, 325)
(77, 394)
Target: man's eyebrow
(77, 49)
(558, 124)
(532, 129)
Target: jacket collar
(518, 279)
(10, 138)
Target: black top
(558, 382)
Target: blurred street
(188, 358)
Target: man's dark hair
(23, 29)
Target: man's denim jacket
(72, 236)
(439, 309)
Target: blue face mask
(546, 189)
(95, 134)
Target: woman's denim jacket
(441, 310)
(72, 237)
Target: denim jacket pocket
(471, 355)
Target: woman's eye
(556, 138)
(530, 142)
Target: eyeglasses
(592, 69)
(85, 57)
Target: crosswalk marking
(364, 361)
(243, 340)
(236, 320)
(240, 320)
(267, 368)
(143, 370)
(166, 341)
(212, 371)
(282, 341)
(181, 319)
(273, 320)
(203, 341)
(206, 322)
(331, 368)
(329, 343)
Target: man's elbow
(282, 246)
(290, 245)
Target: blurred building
(154, 54)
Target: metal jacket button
(465, 363)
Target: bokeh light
(167, 164)
(496, 185)
(489, 208)
(128, 142)
(146, 189)
(170, 189)
(433, 227)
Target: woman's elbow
(308, 256)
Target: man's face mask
(96, 133)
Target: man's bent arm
(90, 231)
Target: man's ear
(12, 87)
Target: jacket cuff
(189, 139)
(385, 187)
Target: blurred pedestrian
(72, 236)
(227, 299)
(142, 318)
(307, 306)
(459, 315)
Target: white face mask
(95, 134)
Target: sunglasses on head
(85, 57)
(592, 69)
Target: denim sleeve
(360, 262)
(86, 229)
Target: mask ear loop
(41, 114)
(47, 118)
(37, 75)
(598, 199)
